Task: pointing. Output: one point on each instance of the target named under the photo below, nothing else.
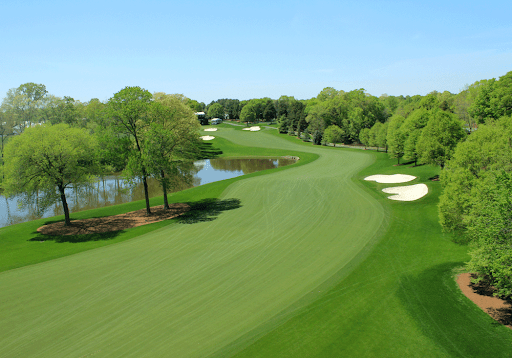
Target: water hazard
(112, 190)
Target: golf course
(312, 261)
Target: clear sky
(208, 50)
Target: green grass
(315, 262)
(22, 245)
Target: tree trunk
(67, 221)
(146, 193)
(164, 188)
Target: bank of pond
(113, 189)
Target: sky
(209, 50)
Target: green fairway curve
(315, 262)
(192, 289)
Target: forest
(49, 143)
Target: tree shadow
(208, 151)
(484, 287)
(77, 238)
(434, 300)
(207, 210)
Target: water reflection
(112, 190)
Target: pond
(112, 189)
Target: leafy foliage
(439, 138)
(49, 158)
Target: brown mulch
(482, 295)
(115, 222)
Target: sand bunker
(390, 179)
(207, 137)
(252, 129)
(407, 193)
(210, 129)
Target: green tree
(24, 103)
(483, 153)
(439, 138)
(334, 134)
(364, 137)
(6, 129)
(489, 229)
(248, 113)
(49, 158)
(269, 113)
(129, 117)
(494, 99)
(381, 134)
(171, 141)
(412, 127)
(395, 137)
(216, 111)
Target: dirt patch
(482, 295)
(115, 222)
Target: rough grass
(313, 262)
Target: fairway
(191, 290)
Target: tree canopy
(49, 158)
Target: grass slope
(314, 263)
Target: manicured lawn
(315, 262)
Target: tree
(489, 229)
(483, 153)
(128, 110)
(381, 136)
(411, 128)
(395, 137)
(494, 99)
(248, 113)
(364, 137)
(439, 138)
(171, 141)
(334, 134)
(269, 113)
(24, 102)
(216, 111)
(49, 158)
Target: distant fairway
(191, 289)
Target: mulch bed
(482, 295)
(115, 222)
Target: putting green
(188, 290)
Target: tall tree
(494, 99)
(49, 158)
(128, 110)
(171, 141)
(248, 113)
(395, 137)
(439, 138)
(24, 102)
(412, 127)
(216, 111)
(269, 113)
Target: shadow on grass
(208, 151)
(207, 210)
(77, 238)
(437, 305)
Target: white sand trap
(390, 179)
(407, 193)
(207, 137)
(210, 129)
(252, 129)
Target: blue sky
(236, 49)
